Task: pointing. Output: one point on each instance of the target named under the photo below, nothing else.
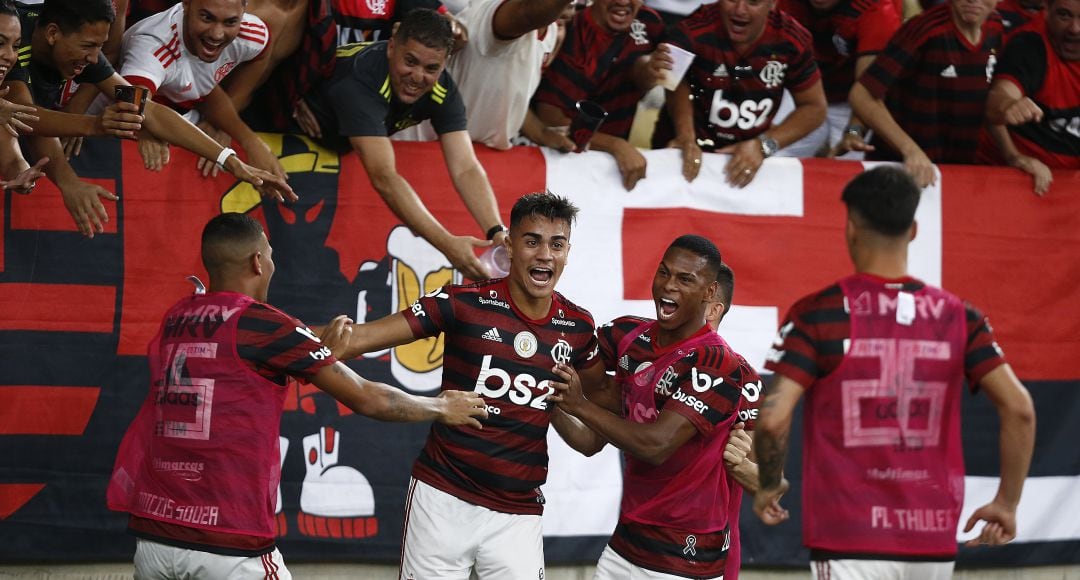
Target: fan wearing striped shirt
(181, 55)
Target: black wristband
(495, 229)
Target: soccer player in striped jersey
(747, 54)
(925, 95)
(1034, 103)
(198, 468)
(474, 501)
(680, 395)
(882, 358)
(182, 55)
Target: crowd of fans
(965, 81)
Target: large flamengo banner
(76, 315)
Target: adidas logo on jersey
(624, 362)
(949, 72)
(492, 334)
(721, 71)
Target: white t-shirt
(496, 77)
(154, 54)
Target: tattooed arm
(770, 446)
(386, 403)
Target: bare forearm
(635, 439)
(58, 170)
(56, 124)
(746, 474)
(478, 197)
(402, 199)
(682, 111)
(577, 435)
(799, 123)
(771, 450)
(519, 17)
(167, 125)
(878, 118)
(385, 403)
(1017, 443)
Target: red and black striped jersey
(681, 517)
(1014, 15)
(815, 336)
(735, 96)
(596, 65)
(493, 349)
(851, 29)
(269, 342)
(1031, 63)
(935, 83)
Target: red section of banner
(1016, 256)
(776, 259)
(14, 495)
(41, 410)
(162, 228)
(57, 307)
(44, 209)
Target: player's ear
(914, 231)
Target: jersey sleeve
(432, 313)
(803, 70)
(146, 60)
(96, 72)
(275, 343)
(794, 353)
(1024, 63)
(710, 392)
(359, 105)
(449, 112)
(590, 355)
(983, 353)
(253, 39)
(896, 57)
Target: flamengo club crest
(773, 74)
(222, 71)
(561, 352)
(377, 6)
(637, 32)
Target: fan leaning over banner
(848, 35)
(1035, 98)
(882, 358)
(611, 55)
(198, 468)
(747, 54)
(380, 88)
(475, 502)
(182, 55)
(681, 407)
(925, 95)
(65, 40)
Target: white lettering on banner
(523, 389)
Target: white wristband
(224, 156)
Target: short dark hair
(222, 235)
(726, 277)
(71, 15)
(702, 247)
(8, 7)
(543, 204)
(427, 27)
(885, 198)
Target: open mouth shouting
(541, 276)
(666, 308)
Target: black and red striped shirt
(815, 335)
(596, 65)
(1031, 63)
(935, 83)
(735, 96)
(850, 30)
(1014, 15)
(493, 349)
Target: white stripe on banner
(583, 493)
(1042, 515)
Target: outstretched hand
(335, 335)
(266, 183)
(26, 180)
(767, 504)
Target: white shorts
(154, 561)
(880, 570)
(612, 566)
(445, 538)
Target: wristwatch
(769, 146)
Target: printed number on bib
(895, 408)
(184, 402)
